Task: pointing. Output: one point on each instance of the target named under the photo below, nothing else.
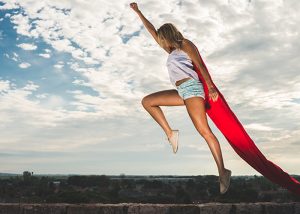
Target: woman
(189, 91)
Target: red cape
(225, 120)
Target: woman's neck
(172, 49)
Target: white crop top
(180, 66)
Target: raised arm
(146, 23)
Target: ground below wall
(136, 208)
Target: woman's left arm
(189, 48)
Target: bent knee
(146, 101)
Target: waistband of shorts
(188, 82)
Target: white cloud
(54, 101)
(4, 85)
(27, 46)
(45, 55)
(30, 86)
(58, 66)
(24, 65)
(259, 127)
(81, 82)
(9, 5)
(22, 25)
(42, 96)
(14, 57)
(15, 54)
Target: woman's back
(180, 66)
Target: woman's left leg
(196, 110)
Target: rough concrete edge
(161, 208)
(147, 204)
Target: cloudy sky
(73, 74)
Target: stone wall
(135, 208)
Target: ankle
(169, 133)
(221, 173)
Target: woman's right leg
(152, 102)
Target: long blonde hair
(170, 33)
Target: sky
(73, 74)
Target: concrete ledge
(136, 208)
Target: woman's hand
(213, 93)
(134, 6)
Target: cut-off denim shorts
(191, 88)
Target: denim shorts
(191, 88)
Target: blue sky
(73, 74)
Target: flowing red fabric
(226, 121)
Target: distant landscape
(30, 188)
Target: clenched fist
(134, 6)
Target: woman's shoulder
(186, 43)
(182, 51)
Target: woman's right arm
(146, 23)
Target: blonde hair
(170, 33)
